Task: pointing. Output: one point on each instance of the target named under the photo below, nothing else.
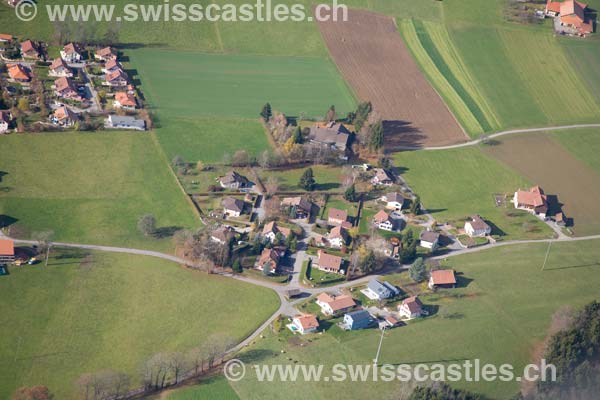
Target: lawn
(454, 184)
(502, 311)
(91, 312)
(327, 178)
(90, 187)
(214, 388)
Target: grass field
(585, 57)
(90, 187)
(544, 161)
(215, 388)
(327, 178)
(108, 311)
(503, 313)
(454, 184)
(584, 144)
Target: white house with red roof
(71, 53)
(306, 323)
(329, 263)
(570, 17)
(533, 200)
(334, 305)
(410, 308)
(7, 251)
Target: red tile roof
(443, 277)
(381, 216)
(534, 197)
(307, 321)
(5, 36)
(329, 261)
(125, 99)
(7, 247)
(337, 214)
(18, 72)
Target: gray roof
(118, 120)
(232, 177)
(430, 236)
(395, 196)
(229, 203)
(332, 134)
(360, 315)
(384, 290)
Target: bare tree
(196, 358)
(272, 185)
(178, 365)
(155, 371)
(265, 159)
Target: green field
(454, 184)
(215, 388)
(584, 144)
(586, 58)
(90, 187)
(502, 313)
(109, 311)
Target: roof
(300, 202)
(394, 197)
(18, 72)
(534, 197)
(336, 232)
(553, 6)
(341, 302)
(268, 255)
(63, 113)
(381, 216)
(229, 203)
(232, 177)
(273, 227)
(28, 46)
(59, 62)
(429, 236)
(337, 214)
(360, 315)
(391, 320)
(478, 223)
(330, 133)
(105, 52)
(70, 48)
(325, 298)
(63, 84)
(223, 233)
(572, 7)
(112, 63)
(413, 304)
(381, 289)
(6, 36)
(126, 120)
(381, 175)
(114, 75)
(125, 99)
(307, 321)
(7, 247)
(329, 261)
(443, 277)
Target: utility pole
(47, 254)
(376, 360)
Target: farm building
(477, 227)
(330, 134)
(442, 278)
(533, 200)
(335, 305)
(569, 17)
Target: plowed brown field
(372, 57)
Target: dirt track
(372, 57)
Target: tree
(200, 166)
(177, 161)
(32, 393)
(147, 224)
(417, 270)
(265, 159)
(44, 240)
(361, 115)
(330, 116)
(377, 138)
(266, 112)
(241, 158)
(237, 266)
(307, 181)
(272, 185)
(155, 371)
(369, 262)
(23, 104)
(350, 193)
(415, 206)
(297, 136)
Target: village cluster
(82, 88)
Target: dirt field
(547, 163)
(372, 57)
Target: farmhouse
(569, 17)
(18, 73)
(105, 54)
(335, 305)
(271, 230)
(7, 251)
(442, 278)
(336, 216)
(233, 207)
(125, 101)
(125, 122)
(410, 308)
(394, 201)
(329, 262)
(5, 38)
(64, 87)
(383, 221)
(477, 227)
(337, 237)
(330, 134)
(5, 118)
(429, 240)
(360, 319)
(116, 78)
(71, 53)
(533, 200)
(222, 235)
(60, 68)
(382, 178)
(306, 323)
(29, 49)
(377, 290)
(300, 206)
(269, 259)
(63, 116)
(233, 180)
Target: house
(116, 78)
(18, 73)
(335, 305)
(394, 201)
(301, 207)
(330, 134)
(125, 122)
(329, 262)
(30, 49)
(5, 118)
(71, 53)
(105, 54)
(533, 200)
(222, 235)
(64, 87)
(389, 322)
(442, 278)
(6, 38)
(269, 258)
(476, 226)
(306, 323)
(63, 116)
(569, 17)
(111, 65)
(125, 101)
(60, 68)
(336, 216)
(360, 319)
(383, 221)
(410, 308)
(233, 207)
(381, 177)
(233, 180)
(7, 251)
(377, 290)
(429, 240)
(271, 230)
(337, 237)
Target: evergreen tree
(417, 270)
(350, 193)
(297, 135)
(415, 206)
(307, 181)
(330, 116)
(377, 139)
(266, 112)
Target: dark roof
(430, 236)
(332, 134)
(360, 315)
(230, 203)
(395, 196)
(232, 177)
